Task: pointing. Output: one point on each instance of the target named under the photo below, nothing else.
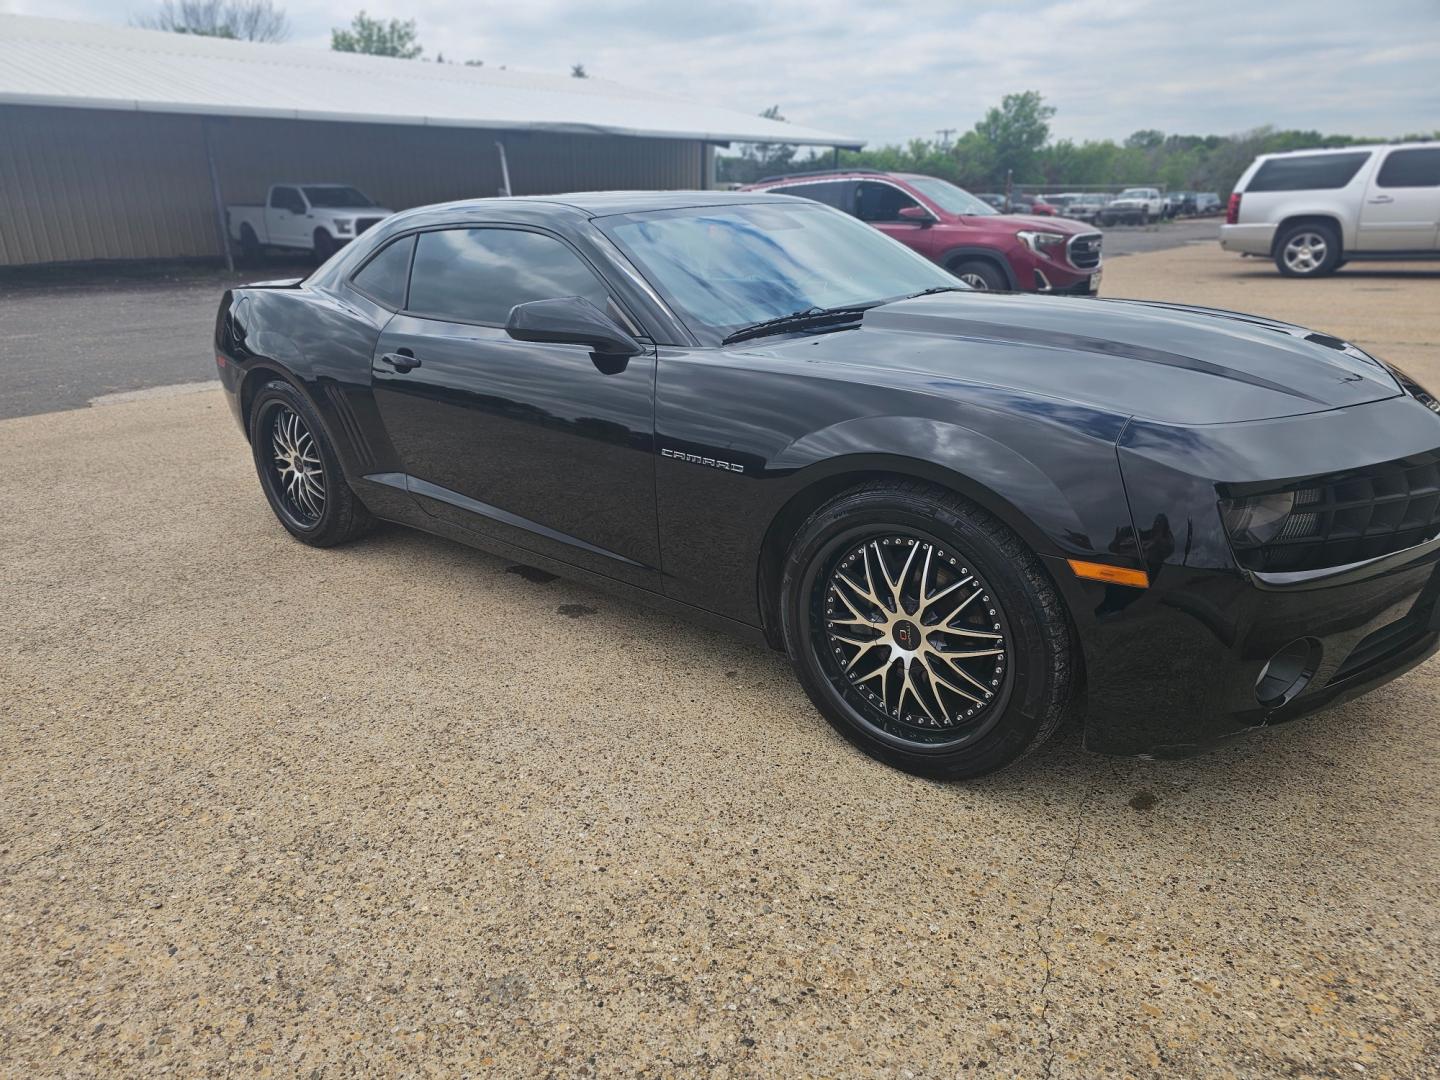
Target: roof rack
(819, 172)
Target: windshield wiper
(799, 320)
(938, 289)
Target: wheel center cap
(906, 635)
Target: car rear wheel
(249, 245)
(1307, 250)
(299, 471)
(979, 274)
(925, 631)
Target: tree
(761, 159)
(377, 37)
(1016, 130)
(577, 71)
(241, 20)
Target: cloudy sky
(890, 71)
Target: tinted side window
(478, 275)
(831, 193)
(385, 276)
(1411, 168)
(880, 202)
(285, 198)
(1308, 172)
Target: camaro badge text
(698, 459)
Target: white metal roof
(84, 65)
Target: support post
(835, 158)
(220, 223)
(504, 169)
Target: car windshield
(724, 268)
(1135, 193)
(338, 198)
(951, 199)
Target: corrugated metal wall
(81, 184)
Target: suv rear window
(1411, 168)
(1308, 172)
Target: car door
(544, 446)
(879, 204)
(1401, 211)
(285, 218)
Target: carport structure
(119, 143)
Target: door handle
(401, 361)
(1383, 199)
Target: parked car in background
(1207, 202)
(1032, 204)
(1179, 203)
(1085, 207)
(318, 218)
(1313, 211)
(1134, 206)
(993, 199)
(950, 226)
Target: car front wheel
(299, 471)
(925, 631)
(979, 274)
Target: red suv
(984, 248)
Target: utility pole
(945, 134)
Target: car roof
(577, 205)
(1357, 148)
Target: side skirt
(394, 504)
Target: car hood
(1163, 362)
(1035, 221)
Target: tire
(1014, 690)
(249, 246)
(1307, 250)
(325, 245)
(1145, 217)
(980, 274)
(317, 508)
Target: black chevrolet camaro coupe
(960, 514)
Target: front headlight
(1415, 390)
(1257, 520)
(343, 225)
(1042, 243)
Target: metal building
(119, 143)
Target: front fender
(1063, 495)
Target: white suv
(1314, 210)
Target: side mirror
(571, 320)
(917, 214)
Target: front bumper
(1174, 667)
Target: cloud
(891, 72)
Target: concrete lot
(394, 808)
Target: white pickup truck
(318, 218)
(1135, 205)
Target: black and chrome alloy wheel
(299, 470)
(925, 630)
(298, 473)
(914, 636)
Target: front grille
(1353, 516)
(1084, 251)
(361, 224)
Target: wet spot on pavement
(1143, 800)
(532, 573)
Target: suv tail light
(1232, 212)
